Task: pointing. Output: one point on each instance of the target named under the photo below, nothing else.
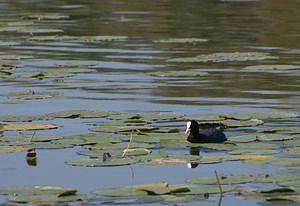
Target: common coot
(210, 135)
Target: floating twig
(32, 137)
(128, 144)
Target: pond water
(121, 79)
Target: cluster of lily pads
(113, 136)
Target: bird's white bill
(188, 125)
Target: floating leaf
(29, 126)
(260, 137)
(257, 178)
(178, 73)
(49, 198)
(82, 114)
(7, 43)
(160, 116)
(294, 150)
(221, 57)
(101, 38)
(46, 17)
(160, 189)
(51, 38)
(135, 87)
(15, 57)
(37, 30)
(119, 145)
(108, 128)
(76, 64)
(89, 139)
(181, 40)
(285, 130)
(11, 148)
(204, 117)
(80, 38)
(26, 138)
(234, 123)
(51, 146)
(21, 118)
(274, 160)
(264, 115)
(13, 102)
(113, 161)
(272, 67)
(35, 190)
(30, 94)
(293, 142)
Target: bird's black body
(210, 135)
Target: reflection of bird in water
(193, 151)
(31, 157)
(210, 135)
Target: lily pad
(26, 138)
(15, 57)
(264, 115)
(98, 153)
(82, 114)
(9, 43)
(256, 178)
(37, 30)
(51, 146)
(76, 64)
(234, 123)
(35, 190)
(51, 38)
(21, 118)
(178, 73)
(272, 67)
(11, 148)
(135, 86)
(119, 145)
(160, 116)
(293, 142)
(160, 189)
(204, 117)
(17, 127)
(30, 94)
(221, 57)
(274, 160)
(101, 38)
(108, 128)
(181, 40)
(79, 38)
(157, 137)
(49, 198)
(46, 17)
(260, 137)
(17, 23)
(285, 130)
(294, 150)
(89, 139)
(112, 161)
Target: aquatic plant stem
(218, 181)
(128, 144)
(221, 192)
(32, 137)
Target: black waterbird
(210, 135)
